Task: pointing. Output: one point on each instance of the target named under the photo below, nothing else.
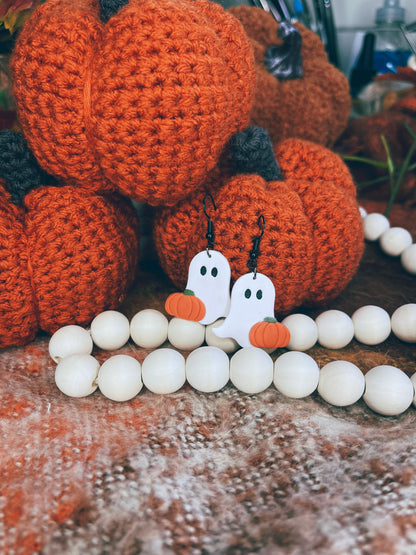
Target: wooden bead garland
(296, 374)
(242, 374)
(110, 330)
(341, 383)
(163, 371)
(76, 375)
(371, 325)
(251, 370)
(385, 389)
(62, 342)
(335, 329)
(394, 241)
(149, 328)
(403, 323)
(207, 369)
(388, 390)
(120, 378)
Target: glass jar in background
(391, 49)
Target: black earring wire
(210, 235)
(254, 253)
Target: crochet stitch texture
(144, 103)
(313, 239)
(314, 107)
(65, 256)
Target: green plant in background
(393, 174)
(13, 13)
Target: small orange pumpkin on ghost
(185, 305)
(269, 334)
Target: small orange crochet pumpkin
(314, 105)
(65, 255)
(313, 239)
(141, 99)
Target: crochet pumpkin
(139, 96)
(66, 255)
(313, 238)
(298, 92)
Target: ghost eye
(214, 272)
(259, 294)
(247, 293)
(203, 270)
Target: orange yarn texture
(313, 239)
(315, 107)
(65, 256)
(143, 104)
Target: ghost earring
(207, 294)
(251, 320)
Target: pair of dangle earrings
(247, 313)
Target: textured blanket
(192, 473)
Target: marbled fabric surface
(190, 473)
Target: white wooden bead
(341, 383)
(76, 375)
(371, 325)
(408, 259)
(251, 370)
(413, 380)
(403, 323)
(296, 374)
(388, 390)
(303, 332)
(185, 334)
(374, 225)
(363, 211)
(226, 344)
(70, 340)
(110, 330)
(207, 369)
(119, 378)
(163, 371)
(395, 240)
(149, 328)
(335, 329)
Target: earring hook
(210, 235)
(261, 221)
(254, 253)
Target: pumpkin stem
(18, 166)
(270, 320)
(284, 61)
(108, 8)
(189, 292)
(252, 152)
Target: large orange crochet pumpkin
(65, 255)
(142, 101)
(314, 106)
(313, 238)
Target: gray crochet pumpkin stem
(284, 61)
(252, 152)
(108, 8)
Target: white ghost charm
(209, 278)
(252, 303)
